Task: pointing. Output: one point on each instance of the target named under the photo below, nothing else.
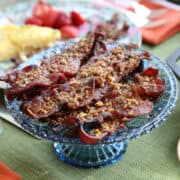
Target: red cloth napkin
(7, 174)
(161, 33)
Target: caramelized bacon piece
(39, 80)
(91, 137)
(74, 94)
(110, 28)
(101, 114)
(112, 66)
(149, 84)
(135, 107)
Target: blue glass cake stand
(112, 148)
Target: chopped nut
(99, 104)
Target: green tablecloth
(152, 156)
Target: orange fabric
(159, 34)
(7, 174)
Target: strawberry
(50, 21)
(42, 10)
(34, 21)
(77, 19)
(69, 31)
(62, 20)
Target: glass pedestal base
(90, 156)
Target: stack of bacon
(84, 87)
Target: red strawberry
(34, 21)
(42, 10)
(69, 31)
(77, 19)
(62, 20)
(50, 21)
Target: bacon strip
(149, 84)
(74, 94)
